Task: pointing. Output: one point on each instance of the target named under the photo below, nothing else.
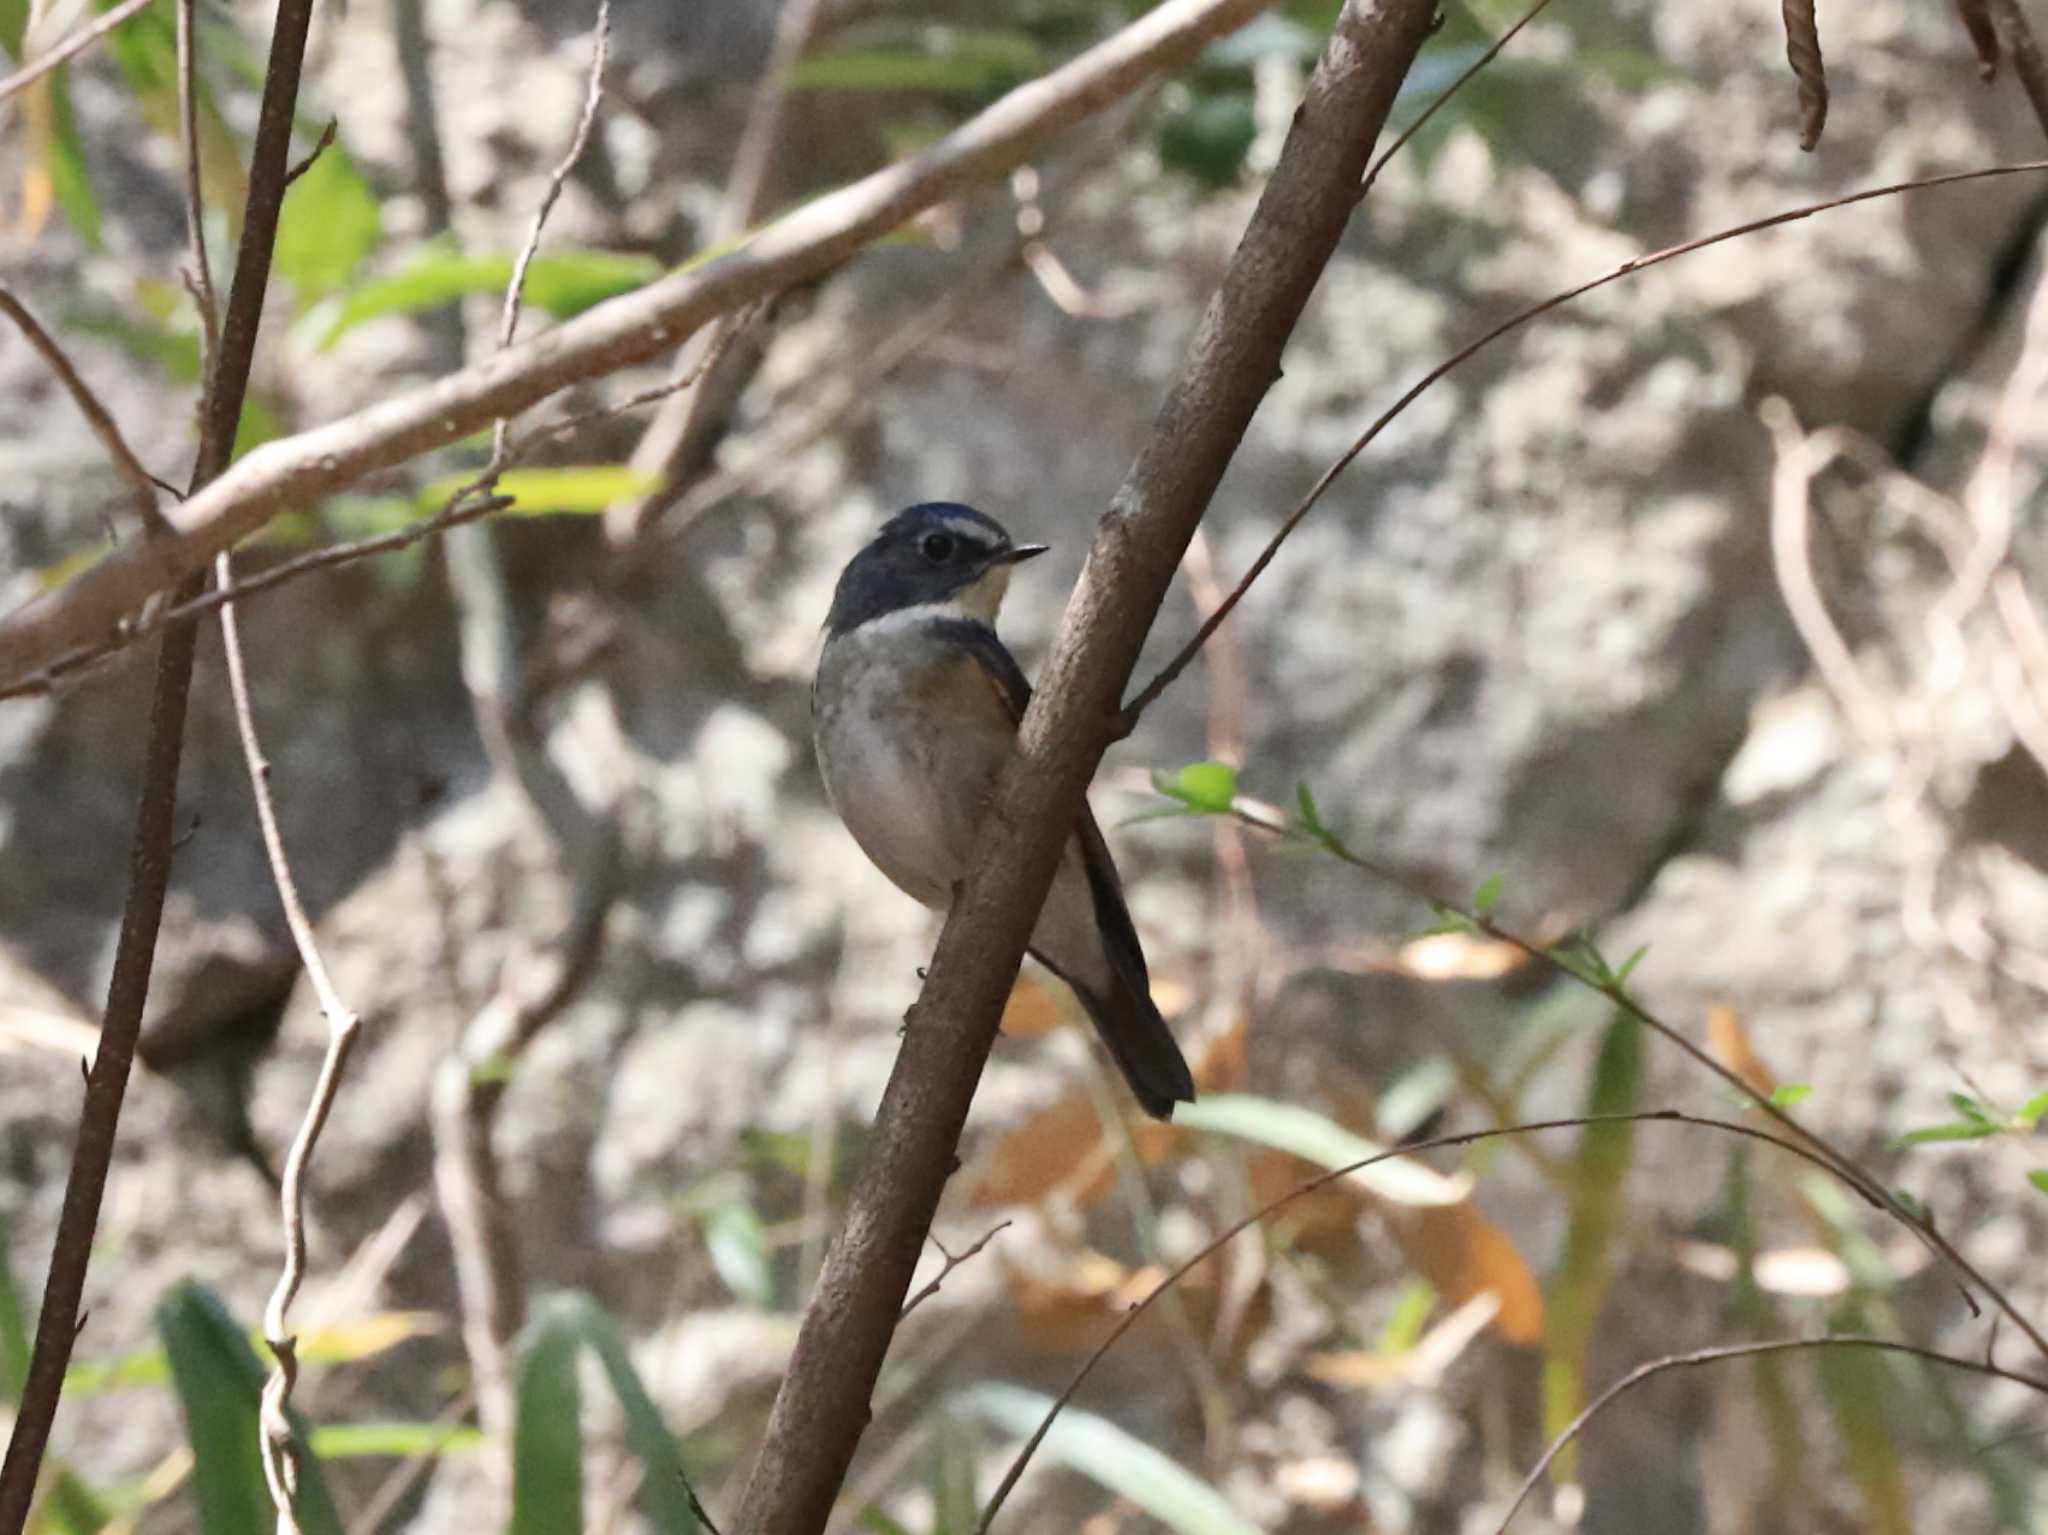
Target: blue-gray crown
(923, 554)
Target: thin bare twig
(515, 290)
(152, 847)
(343, 1026)
(953, 1261)
(463, 507)
(1444, 97)
(1651, 1369)
(142, 485)
(1172, 670)
(73, 45)
(1844, 1166)
(1321, 1180)
(1799, 458)
(312, 156)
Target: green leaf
(561, 283)
(1628, 966)
(547, 1427)
(1790, 1095)
(397, 1441)
(2029, 1113)
(68, 1506)
(329, 226)
(2039, 1178)
(1207, 139)
(1971, 1108)
(15, 1330)
(1306, 1134)
(732, 1233)
(64, 162)
(950, 60)
(1954, 1130)
(1305, 810)
(547, 1431)
(875, 1522)
(575, 490)
(1412, 1305)
(1487, 896)
(1116, 1460)
(1207, 788)
(219, 1382)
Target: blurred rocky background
(1560, 624)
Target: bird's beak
(1017, 553)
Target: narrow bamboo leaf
(547, 1431)
(1955, 1130)
(561, 283)
(575, 490)
(549, 1410)
(1579, 1292)
(2029, 1113)
(1114, 1459)
(219, 1382)
(64, 161)
(1207, 787)
(353, 1441)
(2039, 1179)
(15, 1330)
(1306, 1134)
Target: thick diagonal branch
(295, 472)
(823, 1405)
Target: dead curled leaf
(1802, 49)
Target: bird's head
(936, 555)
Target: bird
(914, 710)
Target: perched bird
(914, 711)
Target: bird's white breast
(908, 784)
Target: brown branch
(1321, 1180)
(1975, 16)
(1187, 653)
(1802, 51)
(1653, 1368)
(152, 847)
(822, 1408)
(141, 483)
(2027, 63)
(77, 43)
(296, 472)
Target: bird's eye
(937, 547)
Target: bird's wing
(993, 659)
(1119, 936)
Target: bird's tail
(1140, 1042)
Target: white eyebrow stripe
(973, 531)
(912, 618)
